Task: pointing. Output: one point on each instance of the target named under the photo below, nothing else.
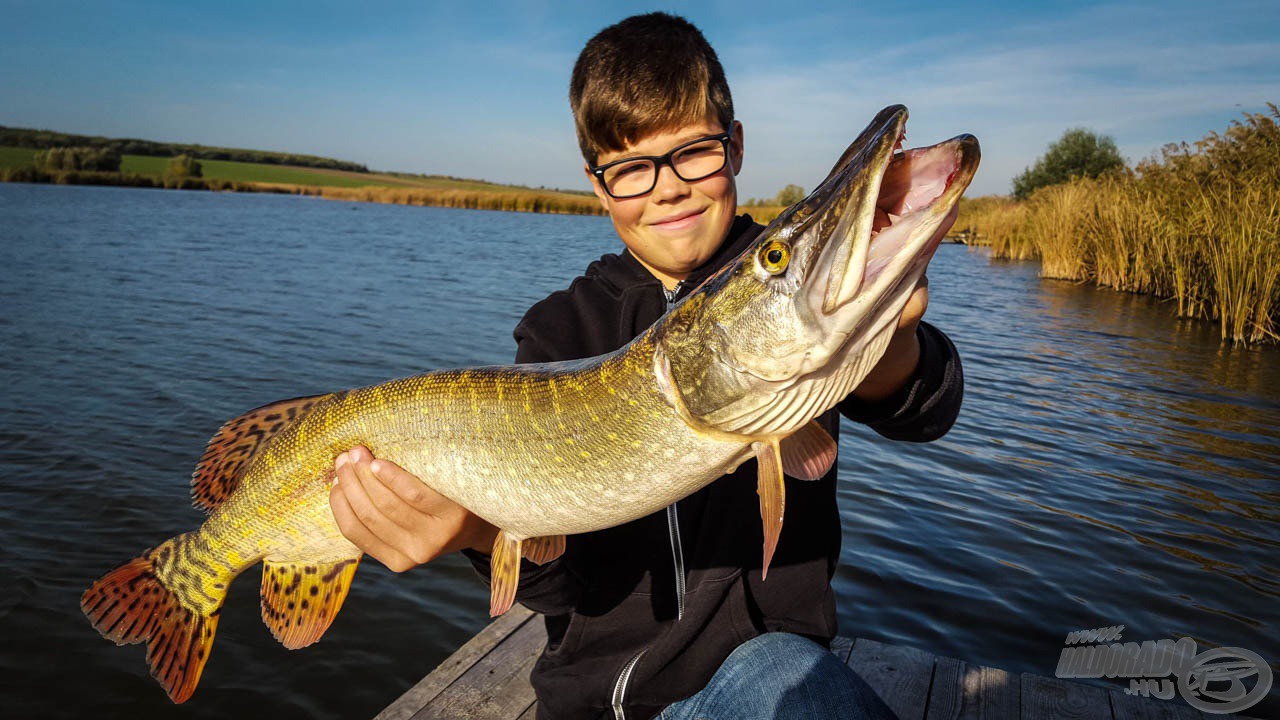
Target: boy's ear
(736, 147)
(595, 187)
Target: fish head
(801, 316)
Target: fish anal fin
(300, 598)
(230, 451)
(504, 574)
(808, 453)
(773, 498)
(131, 605)
(542, 550)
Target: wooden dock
(488, 679)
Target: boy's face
(678, 225)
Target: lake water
(1112, 465)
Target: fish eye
(774, 256)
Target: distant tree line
(786, 197)
(61, 159)
(25, 137)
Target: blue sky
(479, 89)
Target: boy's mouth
(679, 220)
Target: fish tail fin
(145, 601)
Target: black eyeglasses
(692, 161)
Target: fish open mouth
(913, 184)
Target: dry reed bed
(1200, 224)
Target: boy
(668, 613)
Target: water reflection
(1112, 465)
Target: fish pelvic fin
(231, 451)
(773, 496)
(159, 599)
(808, 453)
(542, 550)
(300, 598)
(504, 573)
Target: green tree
(790, 195)
(1079, 152)
(64, 159)
(183, 166)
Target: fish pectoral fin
(773, 497)
(237, 443)
(504, 573)
(300, 598)
(542, 550)
(808, 453)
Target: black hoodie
(641, 615)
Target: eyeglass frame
(725, 138)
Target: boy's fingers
(412, 533)
(409, 488)
(389, 505)
(354, 529)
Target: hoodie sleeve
(550, 589)
(927, 406)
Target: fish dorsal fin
(300, 598)
(235, 445)
(808, 453)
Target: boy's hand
(900, 359)
(395, 517)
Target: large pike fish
(739, 369)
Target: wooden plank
(962, 691)
(991, 693)
(946, 694)
(530, 714)
(497, 686)
(1136, 707)
(899, 675)
(1044, 698)
(456, 664)
(841, 647)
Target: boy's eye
(629, 169)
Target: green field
(17, 157)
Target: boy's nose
(669, 185)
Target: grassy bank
(1199, 224)
(17, 165)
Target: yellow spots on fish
(584, 455)
(568, 441)
(613, 436)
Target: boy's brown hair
(646, 74)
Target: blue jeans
(782, 677)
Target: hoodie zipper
(677, 558)
(673, 517)
(620, 687)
